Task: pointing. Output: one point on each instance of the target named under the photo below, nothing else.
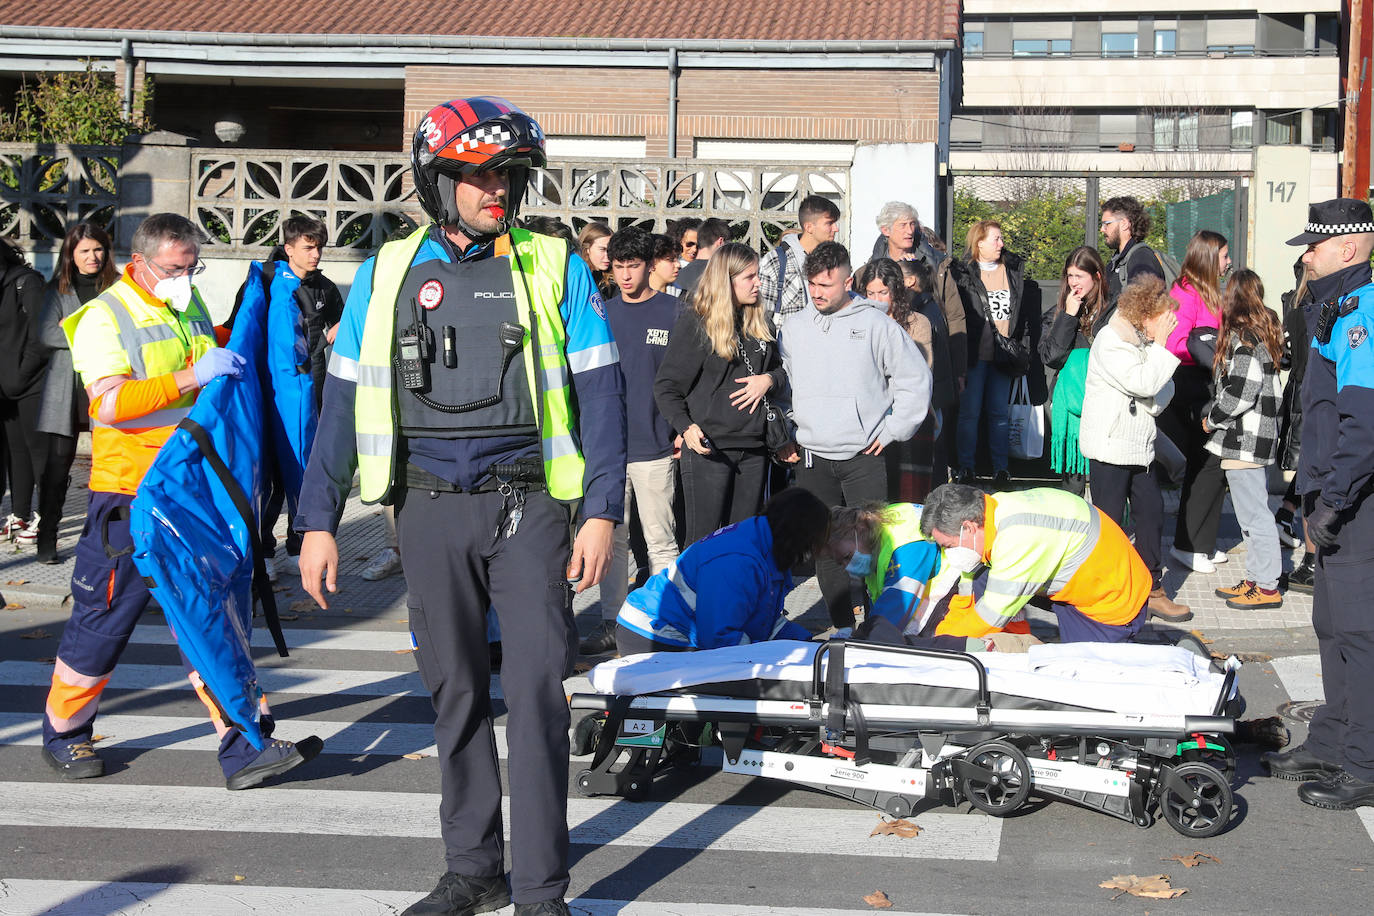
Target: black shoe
(1340, 791)
(1301, 579)
(1001, 480)
(277, 758)
(77, 760)
(555, 907)
(47, 550)
(601, 640)
(462, 895)
(965, 477)
(1298, 764)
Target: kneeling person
(1036, 542)
(728, 589)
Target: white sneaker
(386, 563)
(27, 535)
(271, 564)
(1220, 557)
(1197, 562)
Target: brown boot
(1165, 608)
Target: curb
(48, 596)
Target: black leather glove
(1323, 524)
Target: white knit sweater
(1130, 380)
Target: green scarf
(1066, 410)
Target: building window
(1166, 42)
(1116, 130)
(1176, 130)
(1119, 44)
(1166, 132)
(1187, 130)
(973, 44)
(1242, 129)
(1041, 47)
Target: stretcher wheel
(1005, 786)
(1203, 812)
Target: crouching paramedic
(144, 349)
(1035, 542)
(461, 354)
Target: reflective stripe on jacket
(536, 260)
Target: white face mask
(964, 559)
(175, 291)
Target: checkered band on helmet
(464, 136)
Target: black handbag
(1008, 354)
(777, 429)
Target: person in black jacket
(1296, 340)
(25, 359)
(720, 365)
(998, 300)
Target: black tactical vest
(473, 299)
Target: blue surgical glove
(217, 362)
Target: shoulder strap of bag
(782, 277)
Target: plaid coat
(1244, 416)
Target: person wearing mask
(665, 270)
(1242, 427)
(1125, 224)
(642, 321)
(145, 348)
(909, 463)
(1067, 334)
(999, 302)
(728, 589)
(591, 244)
(1198, 294)
(720, 366)
(485, 467)
(714, 232)
(782, 285)
(21, 388)
(859, 385)
(1129, 380)
(85, 268)
(1334, 475)
(1034, 542)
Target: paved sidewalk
(23, 581)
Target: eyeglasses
(194, 270)
(689, 244)
(1107, 222)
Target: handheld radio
(412, 353)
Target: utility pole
(1358, 102)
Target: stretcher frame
(893, 758)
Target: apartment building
(1174, 85)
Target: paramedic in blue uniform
(1336, 476)
(475, 385)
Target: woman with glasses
(85, 267)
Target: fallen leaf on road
(238, 877)
(95, 738)
(47, 660)
(288, 616)
(1153, 886)
(896, 827)
(36, 634)
(402, 651)
(14, 607)
(305, 604)
(1200, 638)
(415, 756)
(878, 900)
(1193, 860)
(17, 582)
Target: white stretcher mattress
(1123, 678)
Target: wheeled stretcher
(1127, 730)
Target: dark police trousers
(1342, 729)
(454, 569)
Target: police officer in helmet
(476, 387)
(1335, 477)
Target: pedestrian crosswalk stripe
(592, 821)
(1301, 676)
(273, 680)
(350, 640)
(89, 898)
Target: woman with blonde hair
(720, 366)
(1198, 294)
(591, 244)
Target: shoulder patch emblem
(1357, 335)
(431, 294)
(597, 305)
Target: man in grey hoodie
(859, 384)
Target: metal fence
(1045, 215)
